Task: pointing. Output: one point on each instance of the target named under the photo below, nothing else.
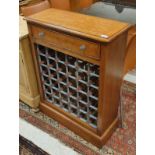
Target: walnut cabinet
(79, 70)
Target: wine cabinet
(79, 70)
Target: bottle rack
(70, 83)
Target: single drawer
(67, 42)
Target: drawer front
(67, 42)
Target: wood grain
(61, 29)
(28, 89)
(112, 69)
(79, 4)
(60, 4)
(29, 10)
(67, 42)
(83, 25)
(72, 5)
(23, 30)
(130, 57)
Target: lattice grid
(70, 83)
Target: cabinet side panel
(114, 55)
(30, 67)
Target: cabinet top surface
(99, 29)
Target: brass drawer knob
(82, 47)
(41, 34)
